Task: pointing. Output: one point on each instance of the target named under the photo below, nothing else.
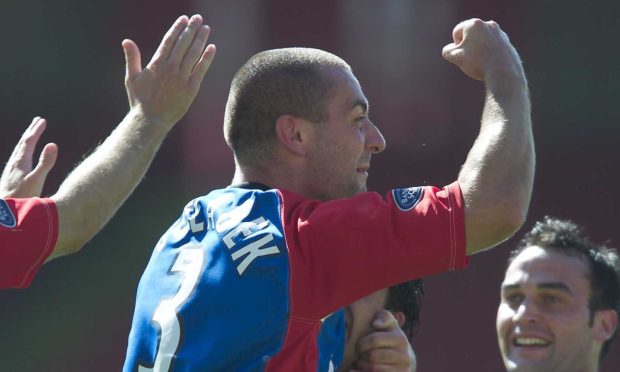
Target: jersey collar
(251, 186)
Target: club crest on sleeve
(407, 198)
(7, 219)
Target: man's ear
(293, 134)
(400, 317)
(605, 323)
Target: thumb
(46, 161)
(452, 53)
(383, 320)
(133, 60)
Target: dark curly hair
(407, 297)
(569, 238)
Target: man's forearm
(94, 191)
(497, 177)
(159, 95)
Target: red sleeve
(345, 249)
(28, 233)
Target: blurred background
(63, 60)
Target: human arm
(19, 179)
(386, 349)
(497, 177)
(159, 95)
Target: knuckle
(373, 356)
(168, 67)
(168, 42)
(373, 339)
(477, 21)
(28, 140)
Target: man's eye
(550, 299)
(513, 299)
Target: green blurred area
(77, 313)
(63, 60)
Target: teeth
(528, 341)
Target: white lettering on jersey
(246, 228)
(253, 250)
(230, 219)
(189, 263)
(196, 227)
(210, 217)
(193, 214)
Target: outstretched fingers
(18, 179)
(170, 38)
(22, 156)
(184, 46)
(203, 64)
(195, 50)
(166, 87)
(185, 40)
(46, 163)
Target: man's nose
(374, 139)
(527, 312)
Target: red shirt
(28, 234)
(421, 231)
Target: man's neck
(276, 176)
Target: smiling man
(560, 300)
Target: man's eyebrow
(508, 287)
(547, 285)
(555, 286)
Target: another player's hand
(166, 87)
(386, 349)
(19, 179)
(482, 48)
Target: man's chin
(361, 187)
(529, 363)
(352, 191)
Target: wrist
(152, 129)
(506, 79)
(153, 122)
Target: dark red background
(63, 60)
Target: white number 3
(189, 263)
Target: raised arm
(498, 175)
(159, 95)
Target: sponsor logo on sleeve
(7, 219)
(407, 198)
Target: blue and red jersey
(254, 279)
(28, 234)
